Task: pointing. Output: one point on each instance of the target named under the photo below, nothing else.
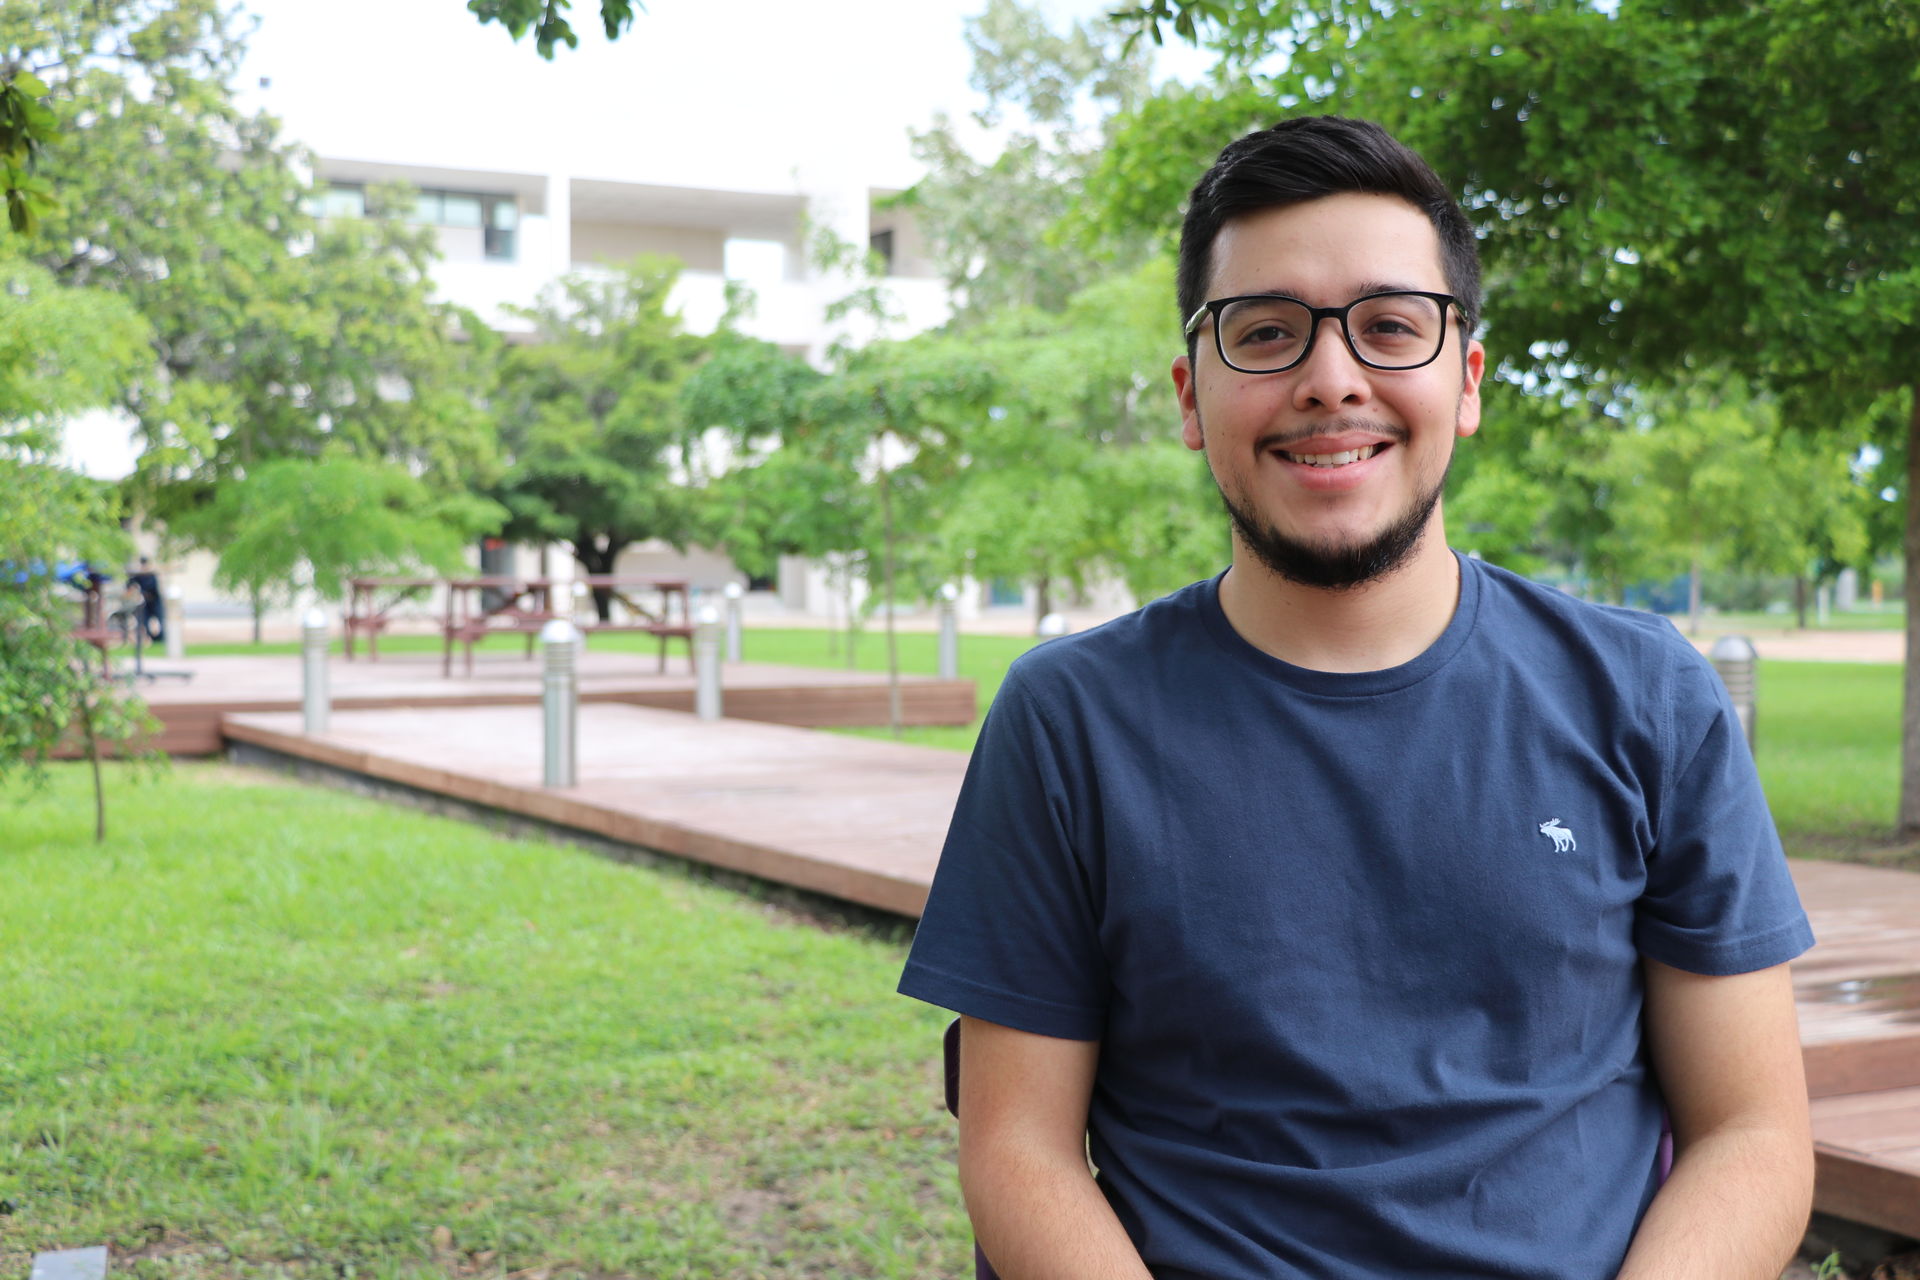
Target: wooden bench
(471, 616)
(367, 616)
(672, 620)
(521, 606)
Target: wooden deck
(190, 711)
(863, 821)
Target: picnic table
(479, 607)
(367, 611)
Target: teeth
(1333, 459)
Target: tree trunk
(599, 563)
(93, 758)
(256, 617)
(1908, 824)
(886, 571)
(1042, 599)
(1800, 599)
(853, 622)
(1693, 595)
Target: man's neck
(1382, 624)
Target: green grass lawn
(1827, 740)
(271, 1030)
(1888, 618)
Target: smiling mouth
(1341, 459)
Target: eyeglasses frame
(1318, 314)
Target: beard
(1328, 564)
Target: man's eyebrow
(1366, 288)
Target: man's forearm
(1735, 1208)
(1041, 1218)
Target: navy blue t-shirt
(1361, 949)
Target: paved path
(190, 711)
(1822, 646)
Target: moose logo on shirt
(1562, 838)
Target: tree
(272, 334)
(900, 412)
(991, 223)
(61, 351)
(293, 523)
(1076, 469)
(590, 421)
(1658, 186)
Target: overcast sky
(727, 93)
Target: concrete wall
(608, 243)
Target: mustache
(1389, 431)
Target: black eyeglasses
(1271, 333)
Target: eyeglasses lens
(1391, 331)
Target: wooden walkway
(863, 821)
(190, 710)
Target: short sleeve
(1010, 933)
(1718, 897)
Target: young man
(1362, 908)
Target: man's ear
(1467, 421)
(1183, 388)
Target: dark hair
(1313, 156)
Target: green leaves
(329, 519)
(589, 417)
(26, 126)
(546, 18)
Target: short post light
(1735, 658)
(176, 628)
(560, 702)
(315, 699)
(949, 631)
(733, 593)
(706, 662)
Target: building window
(881, 242)
(503, 226)
(495, 218)
(339, 200)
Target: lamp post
(706, 663)
(733, 593)
(560, 702)
(949, 631)
(1734, 657)
(315, 701)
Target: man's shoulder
(1604, 631)
(1131, 648)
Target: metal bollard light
(176, 619)
(560, 702)
(949, 631)
(313, 652)
(1734, 658)
(733, 593)
(706, 663)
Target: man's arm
(1023, 1158)
(1727, 1052)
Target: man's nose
(1331, 374)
